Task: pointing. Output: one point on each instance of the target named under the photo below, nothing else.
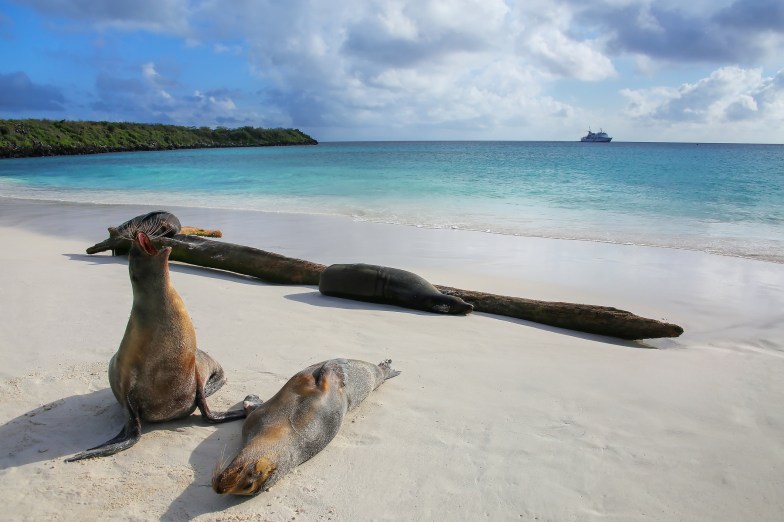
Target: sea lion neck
(149, 273)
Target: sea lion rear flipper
(209, 416)
(387, 370)
(128, 436)
(250, 403)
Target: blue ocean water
(719, 198)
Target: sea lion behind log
(157, 223)
(298, 422)
(158, 374)
(382, 284)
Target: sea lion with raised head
(298, 422)
(158, 374)
(382, 284)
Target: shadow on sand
(174, 266)
(198, 498)
(61, 428)
(317, 299)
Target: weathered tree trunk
(275, 268)
(602, 320)
(267, 266)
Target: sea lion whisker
(220, 464)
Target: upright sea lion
(158, 374)
(381, 284)
(298, 422)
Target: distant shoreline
(37, 138)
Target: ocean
(718, 198)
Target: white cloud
(728, 94)
(149, 73)
(464, 68)
(731, 104)
(470, 64)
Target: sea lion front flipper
(128, 436)
(209, 416)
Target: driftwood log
(194, 250)
(276, 268)
(602, 320)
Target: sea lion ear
(113, 232)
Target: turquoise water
(719, 198)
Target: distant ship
(596, 137)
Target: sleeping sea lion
(382, 284)
(158, 374)
(298, 422)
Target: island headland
(28, 138)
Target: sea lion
(298, 422)
(382, 284)
(155, 224)
(158, 374)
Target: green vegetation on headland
(24, 138)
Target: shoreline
(778, 259)
(490, 417)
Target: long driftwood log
(276, 268)
(194, 250)
(602, 320)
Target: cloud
(402, 63)
(760, 15)
(729, 94)
(428, 68)
(674, 32)
(145, 98)
(19, 94)
(163, 16)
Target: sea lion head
(147, 264)
(448, 304)
(158, 223)
(244, 477)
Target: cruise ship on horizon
(596, 137)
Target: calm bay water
(719, 198)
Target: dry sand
(492, 418)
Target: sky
(642, 70)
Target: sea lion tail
(387, 370)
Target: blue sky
(644, 70)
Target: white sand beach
(491, 419)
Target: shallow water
(720, 198)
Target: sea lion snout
(447, 304)
(243, 479)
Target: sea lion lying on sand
(382, 284)
(298, 422)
